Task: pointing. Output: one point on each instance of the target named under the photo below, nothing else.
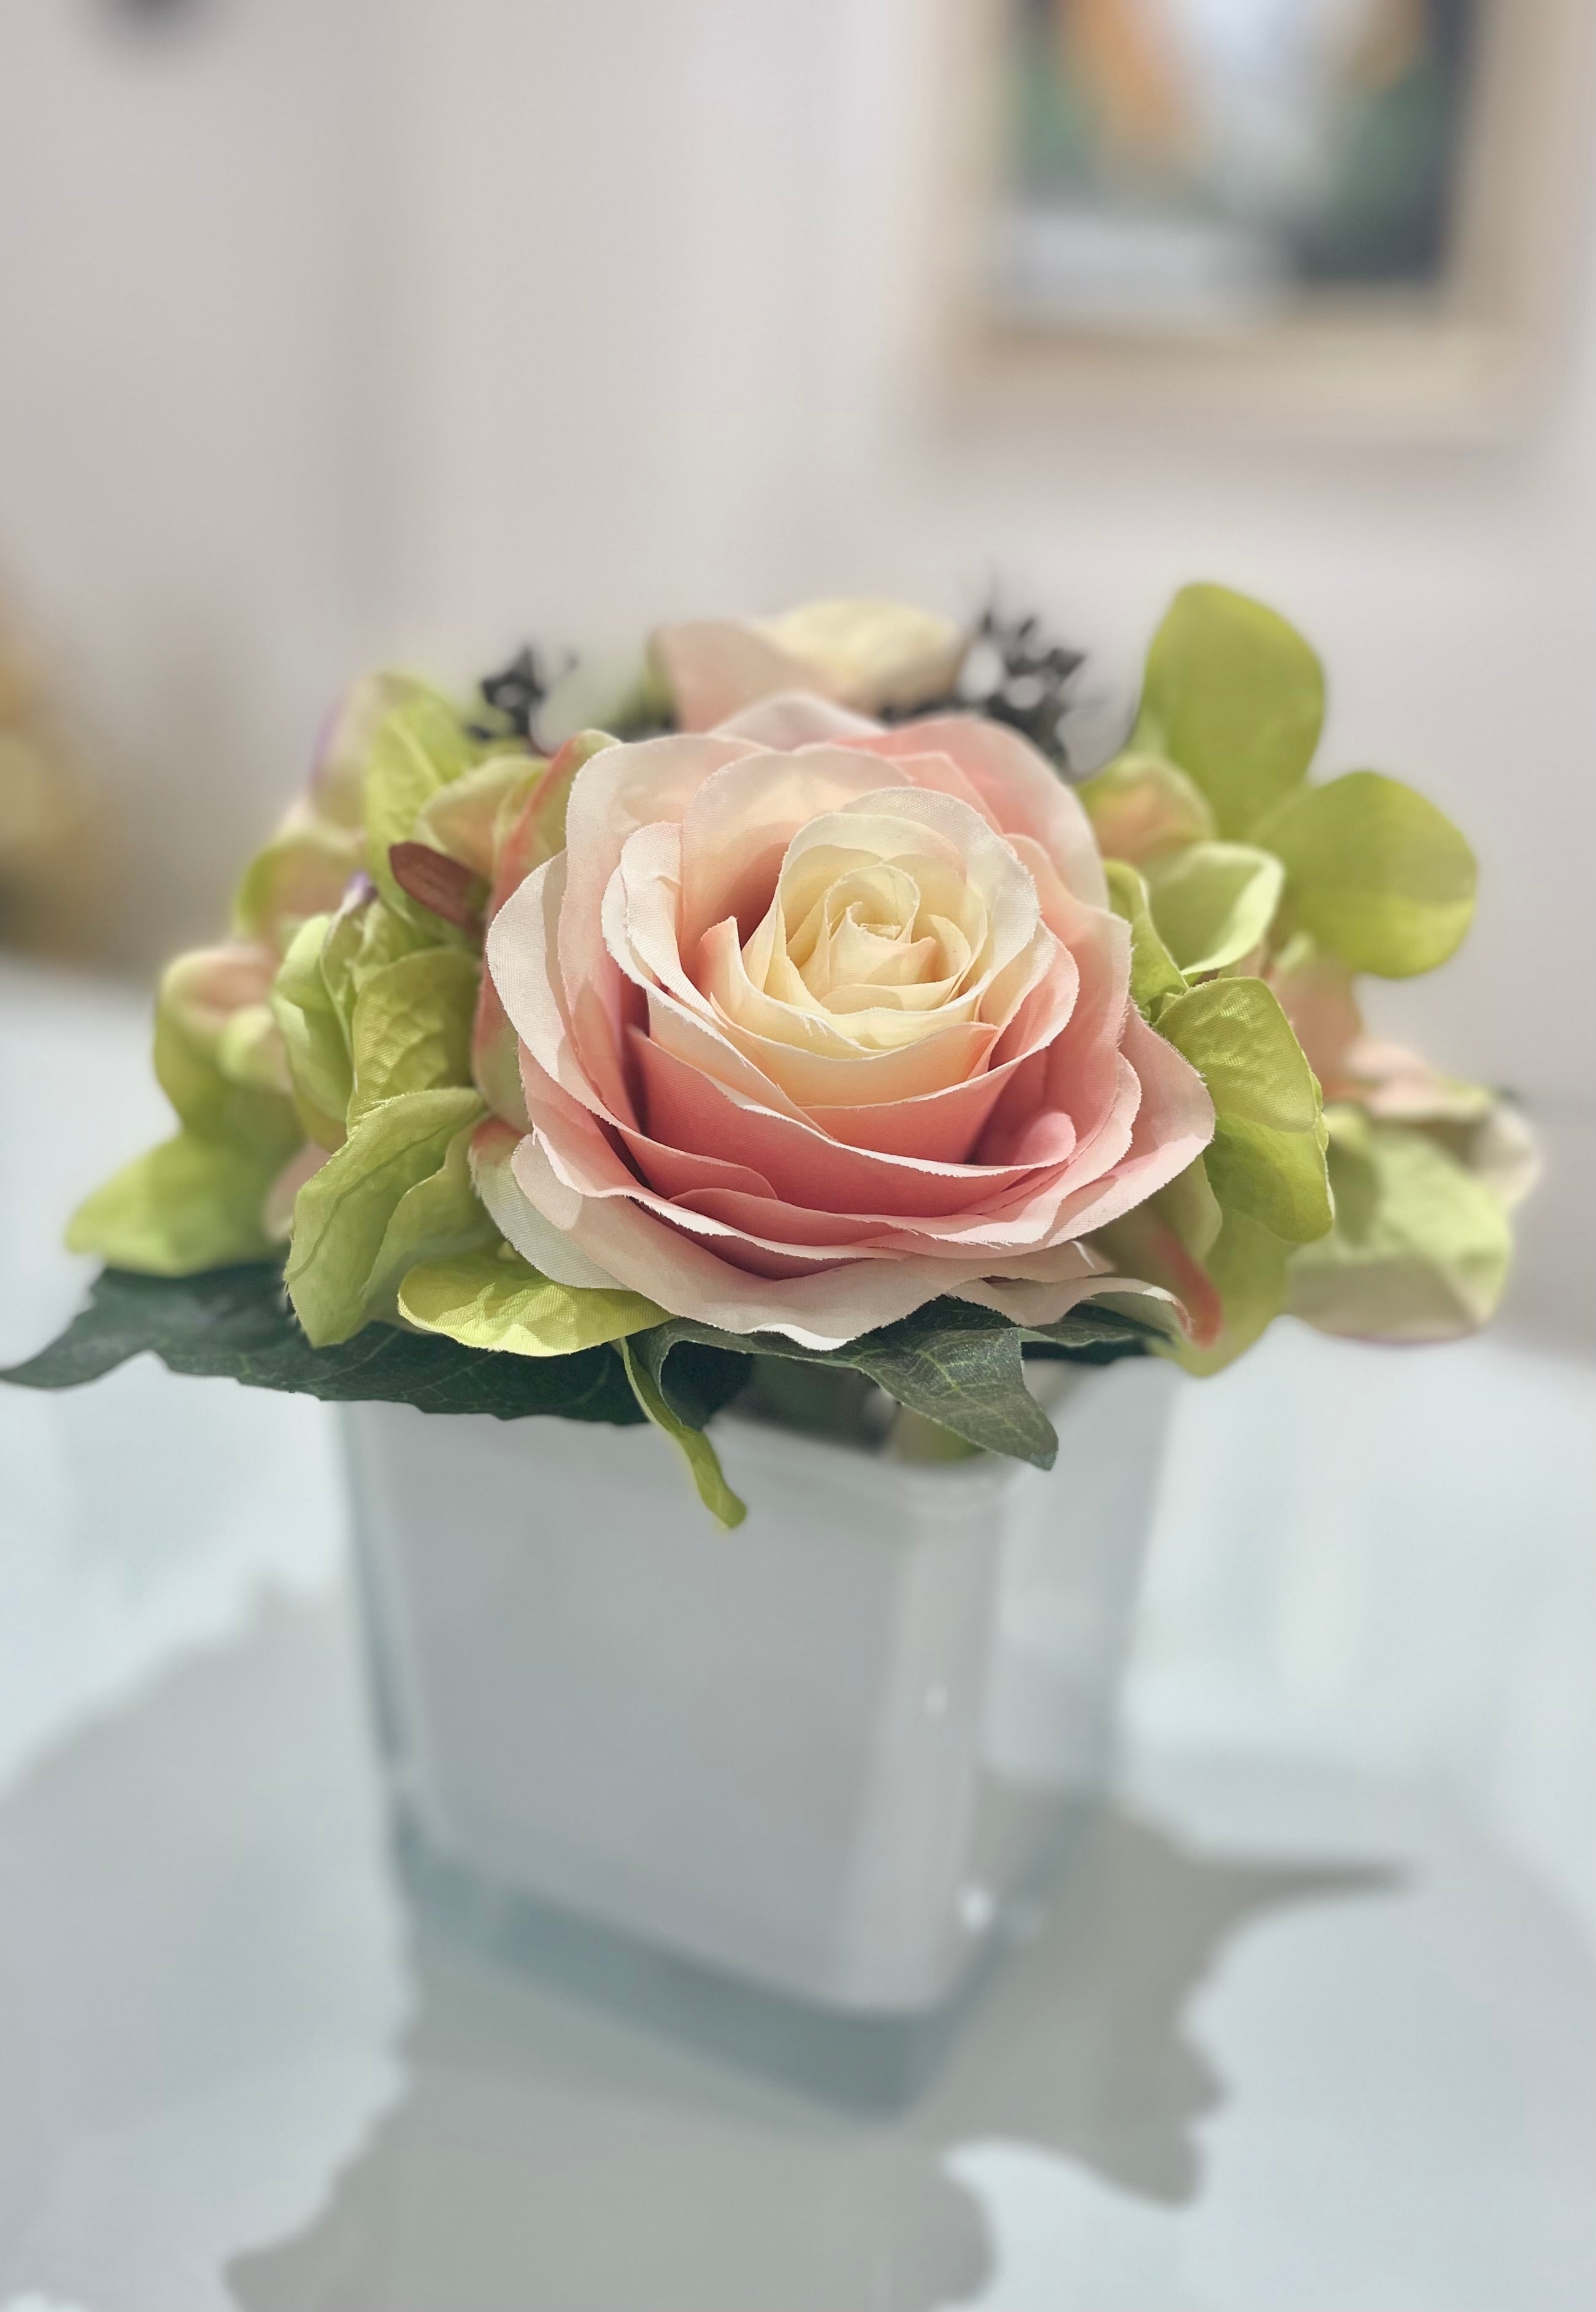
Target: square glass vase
(826, 1753)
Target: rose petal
(738, 827)
(796, 718)
(1019, 787)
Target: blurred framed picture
(1356, 211)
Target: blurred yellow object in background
(52, 854)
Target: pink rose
(818, 1021)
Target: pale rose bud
(875, 657)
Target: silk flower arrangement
(806, 1034)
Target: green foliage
(1217, 852)
(188, 1057)
(703, 1463)
(1247, 1267)
(315, 1038)
(1235, 697)
(818, 1400)
(249, 1051)
(1421, 1246)
(467, 818)
(1213, 902)
(410, 1030)
(370, 1007)
(299, 873)
(1377, 878)
(382, 935)
(439, 1218)
(1375, 873)
(420, 749)
(188, 1205)
(1154, 976)
(358, 1227)
(197, 1199)
(495, 1300)
(1140, 805)
(235, 1323)
(1267, 1157)
(959, 1365)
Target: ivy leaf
(236, 1324)
(703, 1463)
(960, 1365)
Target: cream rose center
(882, 930)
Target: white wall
(186, 469)
(342, 327)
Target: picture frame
(1457, 343)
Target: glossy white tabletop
(1310, 2030)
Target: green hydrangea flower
(1254, 896)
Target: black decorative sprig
(1015, 674)
(513, 697)
(1012, 673)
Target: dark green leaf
(1092, 1335)
(703, 1461)
(958, 1364)
(236, 1323)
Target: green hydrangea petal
(1213, 902)
(467, 817)
(249, 1050)
(1235, 697)
(1421, 1248)
(340, 948)
(1267, 1157)
(313, 1035)
(1140, 805)
(1248, 1266)
(339, 785)
(420, 749)
(495, 1300)
(302, 872)
(703, 1463)
(1375, 872)
(411, 1029)
(190, 1204)
(441, 1218)
(187, 1047)
(385, 934)
(528, 836)
(342, 1214)
(1155, 975)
